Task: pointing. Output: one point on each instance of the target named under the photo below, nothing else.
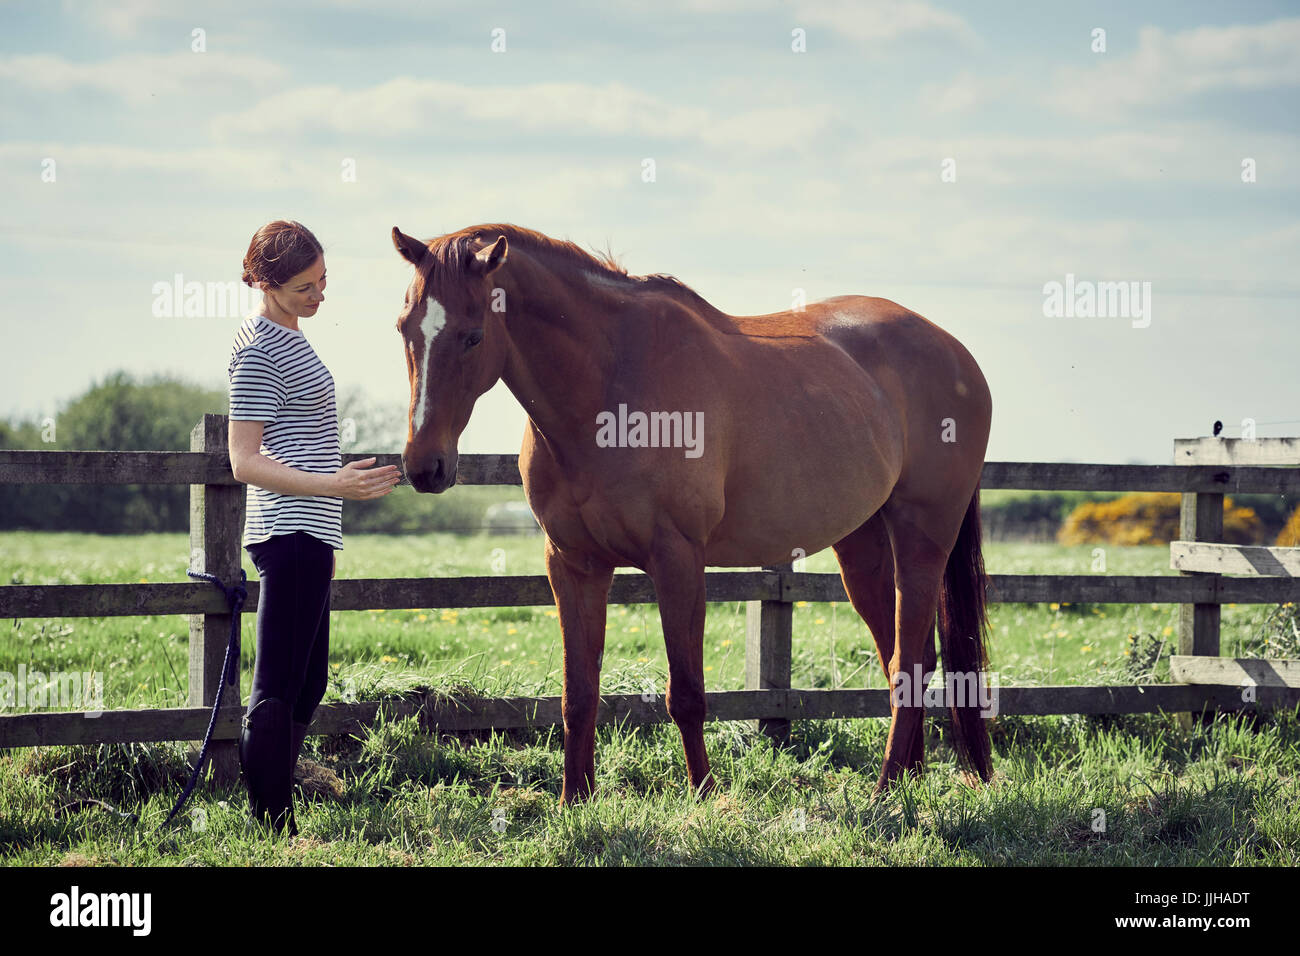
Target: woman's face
(302, 294)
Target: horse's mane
(450, 252)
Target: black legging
(293, 621)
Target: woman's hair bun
(278, 252)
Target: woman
(284, 444)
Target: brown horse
(665, 435)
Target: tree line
(157, 413)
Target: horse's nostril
(435, 474)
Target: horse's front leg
(677, 569)
(581, 588)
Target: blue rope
(236, 596)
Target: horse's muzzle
(435, 475)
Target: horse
(851, 423)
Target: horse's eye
(472, 338)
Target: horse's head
(452, 357)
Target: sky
(958, 159)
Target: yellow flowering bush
(1289, 536)
(1149, 518)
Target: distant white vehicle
(510, 517)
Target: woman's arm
(251, 467)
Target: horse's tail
(963, 622)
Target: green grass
(1221, 794)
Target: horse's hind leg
(919, 563)
(867, 570)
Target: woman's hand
(334, 564)
(357, 483)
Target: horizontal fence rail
(363, 594)
(1205, 682)
(438, 714)
(209, 468)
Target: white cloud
(122, 18)
(964, 92)
(404, 105)
(1168, 67)
(780, 127)
(883, 20)
(425, 198)
(235, 168)
(1206, 154)
(138, 78)
(447, 110)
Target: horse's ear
(412, 250)
(487, 259)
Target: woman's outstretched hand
(358, 483)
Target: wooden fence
(1198, 552)
(216, 523)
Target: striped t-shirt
(277, 378)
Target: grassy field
(1219, 794)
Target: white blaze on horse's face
(434, 321)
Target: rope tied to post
(236, 595)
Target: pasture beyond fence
(1202, 681)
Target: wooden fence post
(216, 533)
(1198, 624)
(768, 637)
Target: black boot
(264, 751)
